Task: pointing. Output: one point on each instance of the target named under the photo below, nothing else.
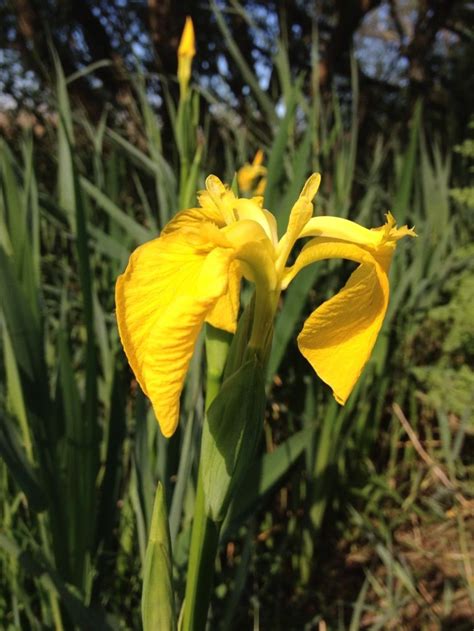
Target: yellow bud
(186, 52)
(252, 177)
(258, 159)
(187, 44)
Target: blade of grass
(132, 228)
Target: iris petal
(224, 313)
(248, 209)
(194, 217)
(299, 216)
(347, 230)
(319, 249)
(303, 208)
(162, 300)
(338, 337)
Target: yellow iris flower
(252, 178)
(191, 274)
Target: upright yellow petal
(254, 250)
(249, 209)
(338, 337)
(219, 197)
(162, 299)
(299, 216)
(303, 208)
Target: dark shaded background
(405, 49)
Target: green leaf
(132, 227)
(66, 187)
(300, 171)
(230, 436)
(15, 218)
(23, 327)
(295, 301)
(263, 475)
(116, 431)
(36, 566)
(15, 394)
(276, 153)
(405, 184)
(16, 460)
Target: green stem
(202, 555)
(182, 133)
(262, 326)
(205, 532)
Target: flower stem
(262, 327)
(205, 532)
(202, 555)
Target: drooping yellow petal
(335, 237)
(162, 300)
(338, 337)
(168, 352)
(194, 217)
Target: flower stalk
(205, 531)
(202, 556)
(188, 136)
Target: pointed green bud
(158, 608)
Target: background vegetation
(352, 518)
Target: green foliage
(446, 340)
(465, 195)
